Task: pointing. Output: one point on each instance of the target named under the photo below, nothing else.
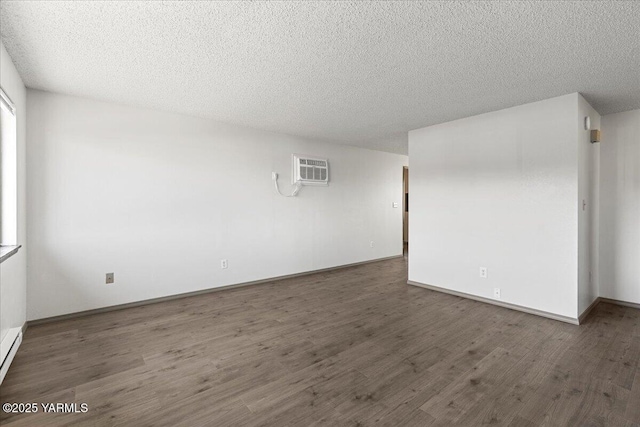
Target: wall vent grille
(310, 170)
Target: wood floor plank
(632, 411)
(503, 403)
(469, 388)
(620, 361)
(350, 347)
(601, 401)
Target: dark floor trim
(607, 301)
(588, 310)
(618, 302)
(498, 303)
(195, 293)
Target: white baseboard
(541, 313)
(498, 303)
(194, 293)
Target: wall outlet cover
(109, 278)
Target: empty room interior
(309, 213)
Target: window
(8, 173)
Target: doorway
(405, 210)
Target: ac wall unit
(310, 170)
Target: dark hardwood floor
(351, 347)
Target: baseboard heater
(9, 347)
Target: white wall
(159, 199)
(13, 272)
(588, 192)
(620, 207)
(499, 190)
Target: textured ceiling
(358, 73)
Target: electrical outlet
(395, 204)
(484, 273)
(274, 176)
(496, 293)
(223, 264)
(109, 278)
(371, 243)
